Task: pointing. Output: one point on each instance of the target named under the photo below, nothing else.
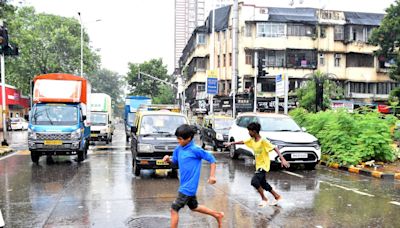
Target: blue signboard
(212, 86)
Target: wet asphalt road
(103, 192)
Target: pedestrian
(261, 148)
(187, 156)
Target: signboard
(280, 85)
(212, 82)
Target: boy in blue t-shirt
(188, 157)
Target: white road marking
(395, 203)
(348, 189)
(293, 174)
(1, 220)
(7, 156)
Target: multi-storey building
(291, 41)
(188, 15)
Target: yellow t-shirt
(261, 150)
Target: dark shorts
(259, 180)
(183, 200)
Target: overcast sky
(138, 30)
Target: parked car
(214, 131)
(153, 137)
(296, 145)
(18, 123)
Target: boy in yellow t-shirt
(261, 148)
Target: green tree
(111, 83)
(387, 36)
(146, 86)
(307, 95)
(6, 10)
(47, 44)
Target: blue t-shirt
(189, 160)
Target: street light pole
(3, 104)
(80, 20)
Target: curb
(4, 150)
(365, 172)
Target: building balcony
(278, 43)
(200, 51)
(364, 74)
(360, 47)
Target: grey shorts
(183, 200)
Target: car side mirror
(133, 129)
(304, 129)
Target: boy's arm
(227, 144)
(284, 163)
(212, 179)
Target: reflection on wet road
(103, 192)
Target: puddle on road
(149, 221)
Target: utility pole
(235, 19)
(255, 81)
(3, 98)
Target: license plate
(299, 155)
(161, 162)
(53, 142)
(93, 135)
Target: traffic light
(260, 71)
(238, 83)
(3, 38)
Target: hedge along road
(103, 192)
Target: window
(339, 32)
(224, 60)
(201, 64)
(271, 30)
(321, 59)
(201, 88)
(275, 58)
(268, 85)
(230, 59)
(249, 59)
(248, 30)
(224, 34)
(300, 30)
(322, 32)
(359, 60)
(383, 88)
(218, 61)
(201, 38)
(337, 60)
(301, 58)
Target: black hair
(254, 127)
(185, 131)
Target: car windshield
(98, 119)
(15, 120)
(158, 124)
(278, 124)
(222, 124)
(131, 117)
(55, 115)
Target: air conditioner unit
(263, 11)
(338, 56)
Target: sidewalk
(388, 171)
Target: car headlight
(76, 134)
(316, 145)
(145, 148)
(31, 134)
(278, 144)
(219, 136)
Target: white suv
(296, 145)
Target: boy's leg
(194, 206)
(174, 218)
(265, 185)
(256, 183)
(205, 210)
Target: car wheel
(127, 138)
(35, 157)
(232, 151)
(81, 155)
(310, 166)
(136, 168)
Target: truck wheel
(232, 151)
(136, 168)
(35, 157)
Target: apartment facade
(189, 14)
(291, 41)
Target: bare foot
(219, 218)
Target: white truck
(102, 128)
